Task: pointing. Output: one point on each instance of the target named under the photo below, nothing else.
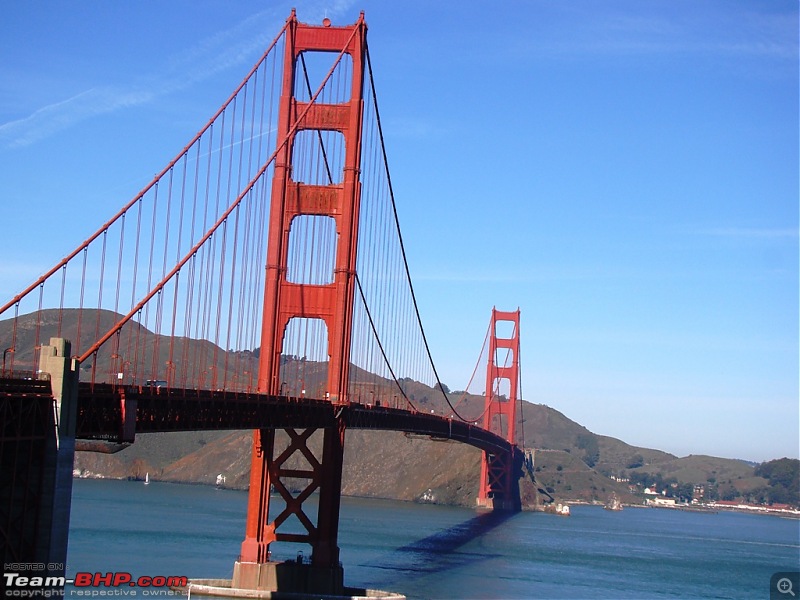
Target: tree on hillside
(636, 461)
(588, 443)
(646, 479)
(711, 493)
(684, 492)
(783, 475)
(760, 495)
(727, 492)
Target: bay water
(433, 552)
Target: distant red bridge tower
(499, 487)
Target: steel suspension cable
(477, 364)
(153, 183)
(402, 246)
(520, 396)
(380, 345)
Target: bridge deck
(107, 412)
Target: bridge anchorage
(220, 340)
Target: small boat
(147, 478)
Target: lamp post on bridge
(5, 352)
(170, 373)
(120, 371)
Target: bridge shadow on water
(441, 551)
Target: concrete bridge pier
(56, 499)
(37, 448)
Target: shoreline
(701, 508)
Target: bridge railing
(115, 413)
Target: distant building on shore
(767, 508)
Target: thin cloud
(752, 232)
(215, 54)
(738, 36)
(225, 50)
(55, 117)
(530, 275)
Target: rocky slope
(571, 461)
(394, 465)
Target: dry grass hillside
(572, 461)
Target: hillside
(572, 463)
(699, 469)
(377, 464)
(393, 465)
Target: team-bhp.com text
(88, 584)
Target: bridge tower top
(502, 374)
(336, 197)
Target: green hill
(396, 466)
(572, 463)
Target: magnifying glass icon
(784, 586)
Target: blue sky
(625, 173)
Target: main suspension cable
(477, 364)
(402, 245)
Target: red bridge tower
(499, 487)
(330, 302)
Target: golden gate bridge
(259, 281)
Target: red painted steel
(332, 303)
(497, 486)
(115, 413)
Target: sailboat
(147, 478)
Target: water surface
(436, 552)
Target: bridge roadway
(115, 413)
